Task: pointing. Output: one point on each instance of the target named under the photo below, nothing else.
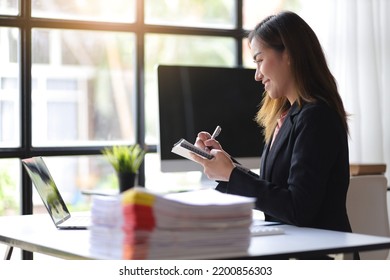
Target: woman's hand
(205, 142)
(220, 166)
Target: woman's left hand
(219, 167)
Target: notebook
(184, 148)
(51, 197)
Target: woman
(304, 173)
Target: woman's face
(273, 70)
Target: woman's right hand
(205, 142)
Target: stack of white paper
(188, 225)
(106, 234)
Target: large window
(87, 10)
(76, 76)
(9, 87)
(88, 76)
(200, 13)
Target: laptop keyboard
(261, 230)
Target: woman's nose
(258, 75)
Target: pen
(216, 132)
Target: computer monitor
(194, 99)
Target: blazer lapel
(263, 161)
(280, 139)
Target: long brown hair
(289, 32)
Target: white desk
(36, 233)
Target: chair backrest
(367, 209)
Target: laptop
(51, 197)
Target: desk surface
(36, 233)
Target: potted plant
(126, 161)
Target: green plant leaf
(125, 158)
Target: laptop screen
(46, 188)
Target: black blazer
(304, 177)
